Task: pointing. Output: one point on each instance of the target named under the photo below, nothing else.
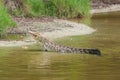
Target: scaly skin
(52, 46)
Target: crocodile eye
(35, 35)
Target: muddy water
(29, 63)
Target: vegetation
(57, 8)
(38, 8)
(5, 19)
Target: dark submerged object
(93, 51)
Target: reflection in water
(40, 60)
(32, 64)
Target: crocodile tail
(92, 51)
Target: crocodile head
(36, 35)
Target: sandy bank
(57, 28)
(15, 43)
(73, 29)
(111, 8)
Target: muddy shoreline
(97, 4)
(52, 29)
(111, 8)
(103, 6)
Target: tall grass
(36, 7)
(59, 8)
(5, 19)
(72, 8)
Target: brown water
(33, 64)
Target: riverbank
(110, 8)
(51, 28)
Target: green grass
(5, 19)
(71, 8)
(54, 8)
(59, 8)
(36, 7)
